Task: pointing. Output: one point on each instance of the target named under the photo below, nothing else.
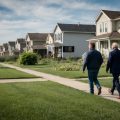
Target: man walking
(93, 63)
(114, 65)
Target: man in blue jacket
(93, 63)
(114, 65)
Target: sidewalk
(67, 82)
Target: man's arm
(109, 62)
(85, 63)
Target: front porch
(104, 42)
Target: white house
(107, 30)
(36, 42)
(50, 44)
(70, 39)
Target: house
(5, 49)
(1, 50)
(36, 42)
(20, 45)
(50, 44)
(107, 31)
(70, 39)
(11, 47)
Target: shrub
(28, 58)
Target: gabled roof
(52, 35)
(11, 43)
(20, 40)
(114, 34)
(110, 14)
(38, 36)
(77, 28)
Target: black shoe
(99, 91)
(110, 91)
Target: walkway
(67, 82)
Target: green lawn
(52, 101)
(103, 82)
(9, 73)
(68, 74)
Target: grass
(103, 82)
(51, 101)
(9, 73)
(67, 74)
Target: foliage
(28, 58)
(8, 58)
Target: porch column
(99, 45)
(109, 45)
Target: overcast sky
(18, 17)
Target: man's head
(91, 45)
(115, 45)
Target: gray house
(70, 39)
(11, 47)
(36, 42)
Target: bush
(28, 58)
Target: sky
(19, 17)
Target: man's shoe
(119, 97)
(109, 90)
(99, 91)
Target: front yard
(69, 69)
(9, 73)
(52, 101)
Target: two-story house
(5, 49)
(36, 42)
(107, 30)
(70, 39)
(1, 50)
(11, 47)
(20, 45)
(50, 44)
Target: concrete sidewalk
(21, 80)
(67, 82)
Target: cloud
(17, 17)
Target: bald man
(113, 65)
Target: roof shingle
(77, 27)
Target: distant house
(50, 44)
(11, 47)
(20, 45)
(5, 49)
(1, 50)
(107, 30)
(70, 39)
(36, 42)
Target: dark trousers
(92, 75)
(116, 83)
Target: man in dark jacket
(93, 63)
(114, 65)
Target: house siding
(104, 19)
(78, 41)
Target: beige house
(107, 30)
(1, 50)
(5, 49)
(50, 44)
(36, 42)
(20, 45)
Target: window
(68, 49)
(100, 28)
(106, 27)
(103, 26)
